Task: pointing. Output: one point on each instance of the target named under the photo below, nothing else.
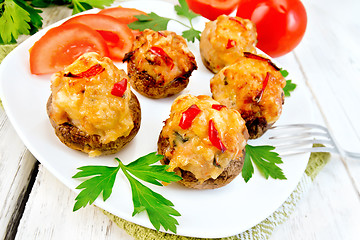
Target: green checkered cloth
(261, 231)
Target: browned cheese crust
(189, 180)
(159, 64)
(254, 87)
(224, 40)
(200, 145)
(76, 139)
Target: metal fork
(293, 139)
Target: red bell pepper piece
(257, 57)
(237, 20)
(119, 88)
(218, 106)
(91, 72)
(188, 116)
(214, 137)
(230, 44)
(161, 53)
(265, 82)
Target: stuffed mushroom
(159, 64)
(200, 145)
(92, 108)
(224, 40)
(254, 87)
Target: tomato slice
(124, 15)
(60, 46)
(117, 35)
(211, 9)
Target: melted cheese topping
(191, 149)
(173, 45)
(224, 40)
(87, 102)
(238, 86)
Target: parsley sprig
(158, 23)
(264, 159)
(83, 5)
(19, 17)
(290, 86)
(102, 181)
(159, 209)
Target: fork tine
(291, 139)
(304, 142)
(352, 154)
(300, 125)
(290, 152)
(300, 131)
(299, 135)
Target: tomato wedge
(117, 35)
(124, 15)
(62, 45)
(211, 9)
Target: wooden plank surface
(17, 167)
(329, 211)
(330, 59)
(330, 64)
(49, 215)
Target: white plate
(205, 213)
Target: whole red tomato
(211, 9)
(280, 24)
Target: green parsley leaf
(264, 159)
(159, 209)
(191, 34)
(153, 174)
(284, 72)
(103, 181)
(35, 18)
(98, 3)
(14, 21)
(183, 10)
(41, 3)
(17, 17)
(158, 23)
(290, 86)
(150, 21)
(83, 5)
